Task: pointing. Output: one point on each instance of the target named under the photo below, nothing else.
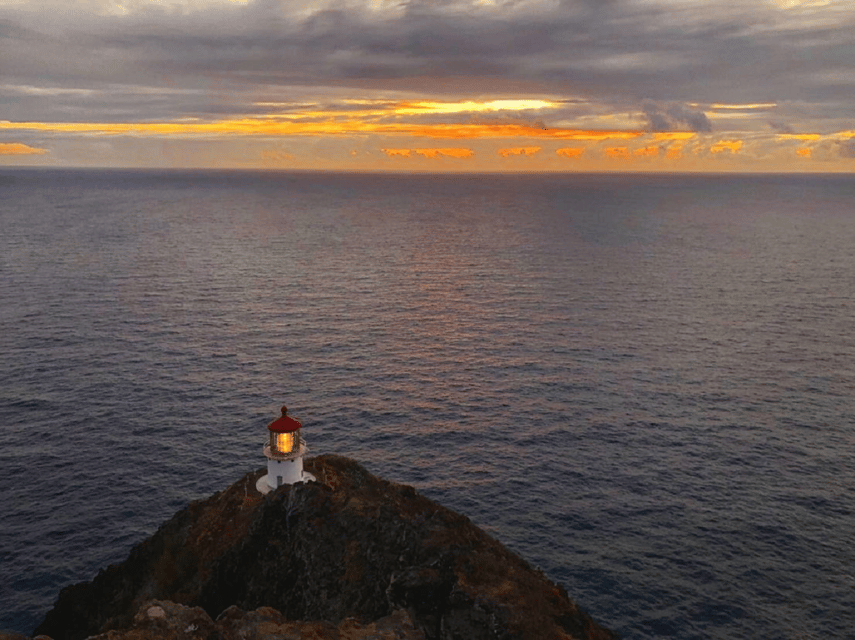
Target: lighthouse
(284, 452)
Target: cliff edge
(350, 549)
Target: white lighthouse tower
(284, 452)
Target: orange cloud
(804, 153)
(429, 106)
(433, 154)
(18, 149)
(674, 152)
(651, 151)
(726, 145)
(618, 152)
(570, 152)
(674, 135)
(518, 151)
(333, 127)
(744, 107)
(450, 152)
(504, 130)
(804, 137)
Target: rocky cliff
(344, 553)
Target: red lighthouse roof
(284, 423)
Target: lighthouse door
(278, 481)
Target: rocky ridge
(348, 556)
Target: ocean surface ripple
(642, 384)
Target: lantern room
(284, 452)
(284, 436)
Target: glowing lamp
(282, 442)
(284, 452)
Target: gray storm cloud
(219, 58)
(673, 117)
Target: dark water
(642, 384)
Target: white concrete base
(264, 488)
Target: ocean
(643, 384)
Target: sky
(429, 85)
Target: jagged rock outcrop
(164, 620)
(350, 546)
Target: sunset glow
(18, 149)
(470, 106)
(277, 85)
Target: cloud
(672, 117)
(448, 152)
(846, 148)
(781, 127)
(518, 151)
(651, 151)
(523, 71)
(316, 124)
(431, 153)
(19, 149)
(736, 52)
(617, 152)
(674, 152)
(509, 131)
(804, 137)
(674, 135)
(570, 152)
(469, 106)
(726, 145)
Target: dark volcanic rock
(348, 546)
(164, 620)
